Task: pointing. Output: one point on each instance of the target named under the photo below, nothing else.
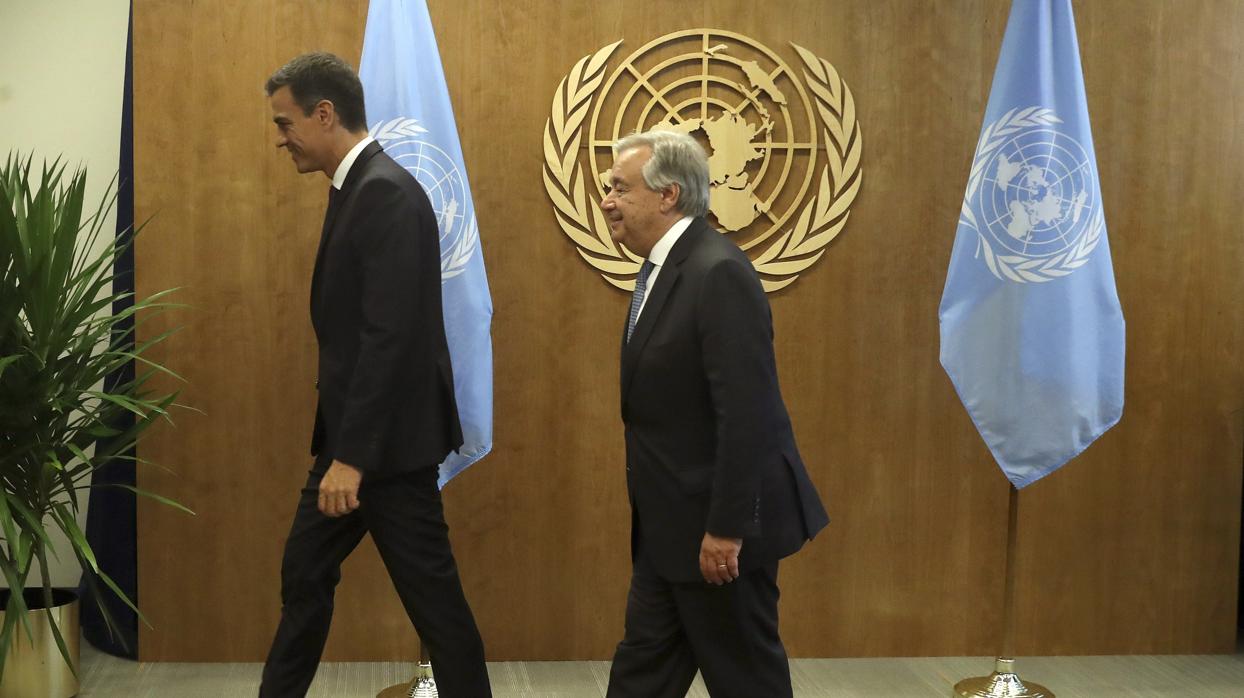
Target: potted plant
(59, 339)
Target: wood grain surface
(1133, 548)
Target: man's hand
(719, 559)
(339, 489)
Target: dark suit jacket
(709, 445)
(386, 387)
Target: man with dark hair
(386, 415)
(718, 491)
(313, 77)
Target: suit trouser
(729, 632)
(404, 516)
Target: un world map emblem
(783, 142)
(404, 139)
(1032, 198)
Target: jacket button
(317, 383)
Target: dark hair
(317, 76)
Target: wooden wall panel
(1132, 548)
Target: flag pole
(1004, 682)
(422, 685)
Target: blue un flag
(1031, 328)
(410, 114)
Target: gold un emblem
(784, 168)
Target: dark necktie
(333, 198)
(637, 298)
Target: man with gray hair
(718, 491)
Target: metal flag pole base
(422, 686)
(1002, 683)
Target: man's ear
(324, 112)
(669, 198)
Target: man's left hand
(719, 559)
(339, 489)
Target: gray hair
(677, 158)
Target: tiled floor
(1219, 676)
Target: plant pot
(39, 669)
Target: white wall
(62, 73)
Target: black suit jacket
(386, 388)
(709, 444)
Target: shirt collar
(339, 177)
(662, 249)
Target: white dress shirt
(657, 256)
(339, 177)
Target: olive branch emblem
(780, 263)
(403, 130)
(1019, 268)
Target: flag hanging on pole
(1032, 334)
(409, 112)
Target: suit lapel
(667, 280)
(336, 203)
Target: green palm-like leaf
(59, 340)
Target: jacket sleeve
(386, 248)
(736, 335)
